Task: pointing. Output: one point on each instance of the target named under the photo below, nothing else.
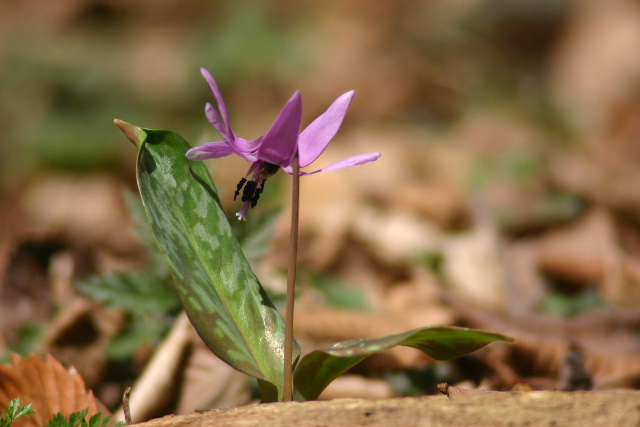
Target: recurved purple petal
(315, 138)
(214, 118)
(224, 128)
(346, 163)
(244, 146)
(279, 144)
(210, 150)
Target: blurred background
(506, 197)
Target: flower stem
(291, 282)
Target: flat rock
(618, 408)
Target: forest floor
(506, 199)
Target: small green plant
(79, 419)
(212, 275)
(15, 411)
(222, 295)
(147, 296)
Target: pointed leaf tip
(134, 133)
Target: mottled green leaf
(317, 369)
(220, 293)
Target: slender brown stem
(125, 406)
(291, 283)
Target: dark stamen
(249, 191)
(269, 169)
(257, 193)
(238, 188)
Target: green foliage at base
(15, 411)
(79, 419)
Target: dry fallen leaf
(184, 376)
(48, 386)
(579, 251)
(592, 69)
(348, 386)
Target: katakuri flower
(277, 148)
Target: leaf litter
(491, 208)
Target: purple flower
(275, 149)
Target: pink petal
(244, 146)
(215, 150)
(225, 130)
(210, 150)
(346, 163)
(213, 117)
(315, 138)
(279, 144)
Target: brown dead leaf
(592, 69)
(398, 236)
(600, 175)
(208, 382)
(78, 336)
(607, 338)
(350, 386)
(587, 252)
(526, 285)
(475, 268)
(418, 301)
(183, 376)
(580, 251)
(48, 386)
(89, 210)
(625, 291)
